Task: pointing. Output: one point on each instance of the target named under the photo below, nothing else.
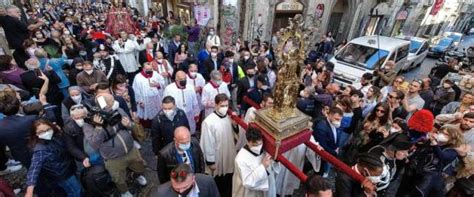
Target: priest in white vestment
(185, 98)
(211, 89)
(148, 86)
(197, 80)
(255, 170)
(218, 143)
(287, 182)
(163, 67)
(125, 49)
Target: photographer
(109, 133)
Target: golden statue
(291, 54)
(284, 119)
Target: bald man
(185, 98)
(385, 75)
(115, 144)
(183, 149)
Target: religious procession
(99, 99)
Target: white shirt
(334, 132)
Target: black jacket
(118, 68)
(162, 128)
(243, 88)
(348, 187)
(168, 159)
(209, 65)
(16, 31)
(33, 84)
(74, 139)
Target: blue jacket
(57, 64)
(14, 133)
(323, 134)
(162, 128)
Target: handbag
(138, 132)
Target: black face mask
(182, 83)
(149, 72)
(250, 75)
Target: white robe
(126, 55)
(186, 100)
(150, 96)
(208, 95)
(250, 178)
(250, 115)
(287, 182)
(160, 68)
(217, 143)
(199, 81)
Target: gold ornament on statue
(284, 119)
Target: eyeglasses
(392, 97)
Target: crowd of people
(77, 104)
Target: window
(423, 48)
(402, 53)
(362, 56)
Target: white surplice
(250, 115)
(162, 68)
(197, 82)
(186, 100)
(209, 92)
(126, 54)
(287, 182)
(217, 143)
(150, 96)
(250, 178)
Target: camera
(109, 117)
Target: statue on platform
(119, 19)
(291, 54)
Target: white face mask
(265, 87)
(302, 93)
(246, 57)
(393, 130)
(256, 149)
(115, 106)
(218, 82)
(211, 33)
(222, 111)
(336, 124)
(77, 99)
(442, 138)
(373, 179)
(213, 55)
(193, 74)
(79, 122)
(48, 135)
(89, 71)
(231, 61)
(168, 113)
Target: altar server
(148, 86)
(254, 169)
(211, 89)
(185, 98)
(125, 49)
(197, 80)
(218, 143)
(287, 182)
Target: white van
(365, 54)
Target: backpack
(97, 181)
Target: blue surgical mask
(184, 147)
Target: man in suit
(325, 133)
(147, 55)
(244, 86)
(173, 48)
(185, 183)
(213, 62)
(183, 150)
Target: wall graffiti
(230, 22)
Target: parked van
(365, 54)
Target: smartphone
(37, 71)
